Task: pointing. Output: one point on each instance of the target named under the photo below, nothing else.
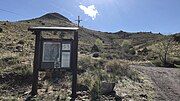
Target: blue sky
(104, 15)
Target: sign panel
(56, 54)
(65, 60)
(66, 47)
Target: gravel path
(166, 82)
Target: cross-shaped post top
(79, 20)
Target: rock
(21, 42)
(118, 98)
(143, 96)
(107, 88)
(27, 92)
(81, 87)
(18, 48)
(95, 54)
(109, 57)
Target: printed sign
(56, 54)
(65, 60)
(51, 51)
(66, 46)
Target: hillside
(116, 52)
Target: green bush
(176, 38)
(95, 91)
(8, 61)
(119, 69)
(86, 63)
(22, 69)
(99, 42)
(171, 62)
(132, 51)
(95, 48)
(127, 47)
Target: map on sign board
(51, 51)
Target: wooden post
(36, 62)
(78, 20)
(74, 68)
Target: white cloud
(90, 10)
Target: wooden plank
(36, 64)
(74, 68)
(53, 28)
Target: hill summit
(54, 16)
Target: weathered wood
(74, 68)
(36, 64)
(53, 28)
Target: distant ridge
(54, 16)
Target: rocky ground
(165, 80)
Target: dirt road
(165, 80)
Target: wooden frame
(38, 55)
(50, 64)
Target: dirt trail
(165, 80)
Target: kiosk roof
(53, 28)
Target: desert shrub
(24, 70)
(119, 69)
(95, 48)
(126, 44)
(127, 48)
(132, 51)
(95, 91)
(1, 45)
(176, 61)
(17, 75)
(86, 62)
(43, 23)
(176, 38)
(105, 55)
(1, 30)
(89, 63)
(8, 61)
(159, 63)
(88, 79)
(99, 42)
(92, 81)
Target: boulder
(107, 88)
